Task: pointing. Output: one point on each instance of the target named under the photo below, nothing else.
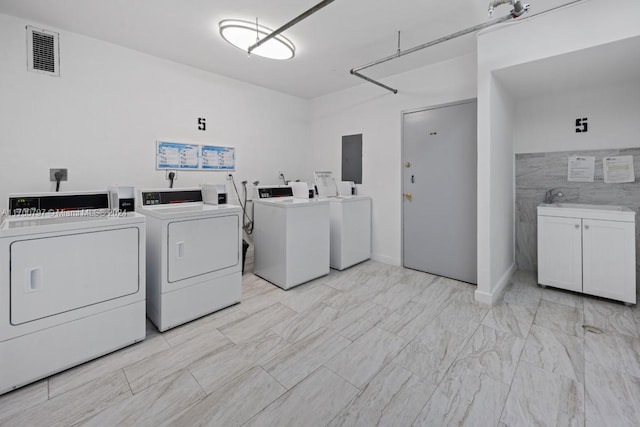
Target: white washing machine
(350, 221)
(350, 230)
(72, 283)
(290, 237)
(194, 257)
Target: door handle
(586, 227)
(408, 196)
(180, 250)
(577, 225)
(34, 280)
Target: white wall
(376, 113)
(586, 24)
(101, 118)
(546, 123)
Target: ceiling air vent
(43, 51)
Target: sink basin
(585, 206)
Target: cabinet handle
(586, 227)
(577, 225)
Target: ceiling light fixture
(243, 34)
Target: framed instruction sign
(618, 169)
(218, 158)
(581, 168)
(176, 155)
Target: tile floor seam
(188, 369)
(462, 346)
(328, 368)
(433, 392)
(348, 403)
(126, 378)
(276, 380)
(515, 372)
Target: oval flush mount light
(243, 34)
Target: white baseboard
(386, 259)
(493, 297)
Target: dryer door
(202, 246)
(52, 275)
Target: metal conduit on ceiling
(518, 10)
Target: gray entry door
(439, 184)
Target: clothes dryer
(72, 276)
(194, 258)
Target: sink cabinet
(588, 249)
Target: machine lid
(346, 199)
(29, 204)
(170, 196)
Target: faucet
(550, 196)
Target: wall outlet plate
(52, 174)
(175, 174)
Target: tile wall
(538, 172)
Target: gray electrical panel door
(439, 182)
(352, 158)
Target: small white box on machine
(214, 194)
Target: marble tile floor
(371, 345)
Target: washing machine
(194, 258)
(72, 276)
(290, 237)
(350, 221)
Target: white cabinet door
(609, 259)
(560, 252)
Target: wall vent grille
(43, 51)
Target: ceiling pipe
(518, 10)
(356, 71)
(370, 80)
(290, 24)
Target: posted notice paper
(618, 169)
(581, 168)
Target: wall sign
(218, 158)
(581, 168)
(582, 125)
(618, 169)
(202, 123)
(176, 155)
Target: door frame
(402, 152)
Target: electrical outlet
(52, 174)
(175, 175)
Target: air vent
(43, 51)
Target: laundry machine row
(298, 237)
(77, 279)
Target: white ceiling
(611, 63)
(343, 35)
